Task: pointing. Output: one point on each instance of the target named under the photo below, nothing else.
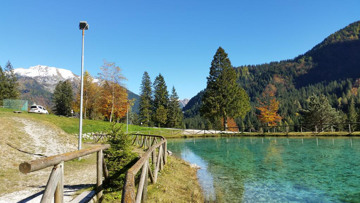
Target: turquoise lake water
(274, 169)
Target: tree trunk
(112, 105)
(225, 123)
(85, 109)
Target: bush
(119, 158)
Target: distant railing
(151, 162)
(55, 186)
(349, 127)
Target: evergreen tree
(119, 158)
(2, 86)
(12, 85)
(223, 97)
(352, 116)
(8, 83)
(145, 100)
(319, 112)
(160, 116)
(63, 98)
(161, 99)
(175, 115)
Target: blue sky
(175, 38)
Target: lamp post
(82, 26)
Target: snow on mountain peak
(47, 76)
(45, 71)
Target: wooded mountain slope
(332, 68)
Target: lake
(274, 169)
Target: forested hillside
(331, 68)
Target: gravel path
(48, 140)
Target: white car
(38, 109)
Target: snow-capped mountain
(183, 102)
(37, 84)
(47, 76)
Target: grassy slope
(11, 132)
(177, 175)
(71, 125)
(177, 183)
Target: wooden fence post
(141, 183)
(99, 186)
(165, 152)
(144, 195)
(59, 192)
(52, 184)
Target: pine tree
(145, 100)
(2, 86)
(8, 83)
(175, 115)
(319, 112)
(63, 98)
(223, 97)
(352, 116)
(161, 100)
(160, 116)
(12, 85)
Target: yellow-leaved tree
(269, 107)
(113, 101)
(90, 98)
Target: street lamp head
(83, 25)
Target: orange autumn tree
(113, 102)
(231, 124)
(269, 107)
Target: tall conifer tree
(63, 98)
(145, 100)
(2, 86)
(161, 101)
(8, 83)
(175, 115)
(223, 97)
(352, 114)
(12, 85)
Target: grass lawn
(71, 125)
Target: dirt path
(19, 135)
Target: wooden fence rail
(55, 186)
(151, 163)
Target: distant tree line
(156, 107)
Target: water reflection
(205, 179)
(275, 169)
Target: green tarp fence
(20, 105)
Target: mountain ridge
(336, 58)
(37, 84)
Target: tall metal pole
(81, 90)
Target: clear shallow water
(275, 170)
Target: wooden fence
(55, 186)
(151, 162)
